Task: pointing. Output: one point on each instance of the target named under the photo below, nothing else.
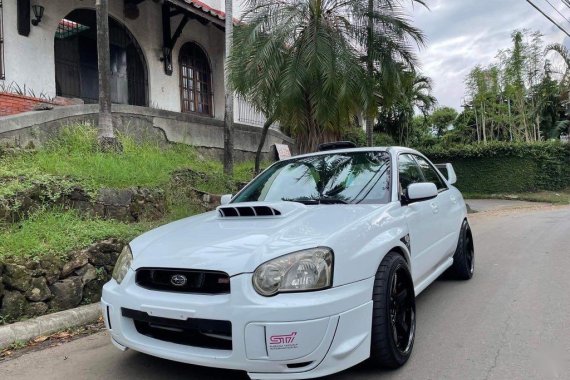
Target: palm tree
(306, 57)
(565, 54)
(261, 94)
(397, 111)
(106, 135)
(387, 40)
(564, 86)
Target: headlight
(310, 269)
(123, 264)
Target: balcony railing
(245, 113)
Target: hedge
(506, 167)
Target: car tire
(394, 313)
(464, 257)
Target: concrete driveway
(511, 321)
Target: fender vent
(246, 211)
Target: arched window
(195, 80)
(76, 73)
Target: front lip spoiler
(118, 345)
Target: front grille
(183, 280)
(205, 333)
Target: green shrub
(507, 167)
(383, 139)
(354, 134)
(357, 135)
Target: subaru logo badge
(178, 280)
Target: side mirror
(448, 171)
(422, 191)
(226, 198)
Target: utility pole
(369, 121)
(229, 97)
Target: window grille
(195, 80)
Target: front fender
(359, 250)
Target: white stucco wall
(30, 60)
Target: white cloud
(464, 33)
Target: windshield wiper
(318, 201)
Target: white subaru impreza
(310, 269)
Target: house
(167, 61)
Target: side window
(409, 172)
(430, 174)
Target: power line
(557, 11)
(548, 17)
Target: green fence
(506, 167)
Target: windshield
(354, 177)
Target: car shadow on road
(142, 366)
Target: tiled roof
(207, 9)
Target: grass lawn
(56, 232)
(147, 164)
(73, 158)
(555, 197)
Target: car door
(421, 218)
(448, 211)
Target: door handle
(434, 208)
(453, 199)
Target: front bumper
(297, 335)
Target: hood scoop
(247, 211)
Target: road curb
(48, 324)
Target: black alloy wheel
(394, 313)
(402, 311)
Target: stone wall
(127, 205)
(205, 133)
(30, 288)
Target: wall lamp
(39, 13)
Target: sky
(464, 33)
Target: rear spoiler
(448, 172)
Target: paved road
(512, 321)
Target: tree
(397, 110)
(247, 81)
(229, 98)
(387, 50)
(441, 119)
(106, 135)
(517, 98)
(309, 52)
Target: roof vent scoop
(247, 211)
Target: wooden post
(106, 135)
(229, 98)
(166, 39)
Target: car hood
(239, 244)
